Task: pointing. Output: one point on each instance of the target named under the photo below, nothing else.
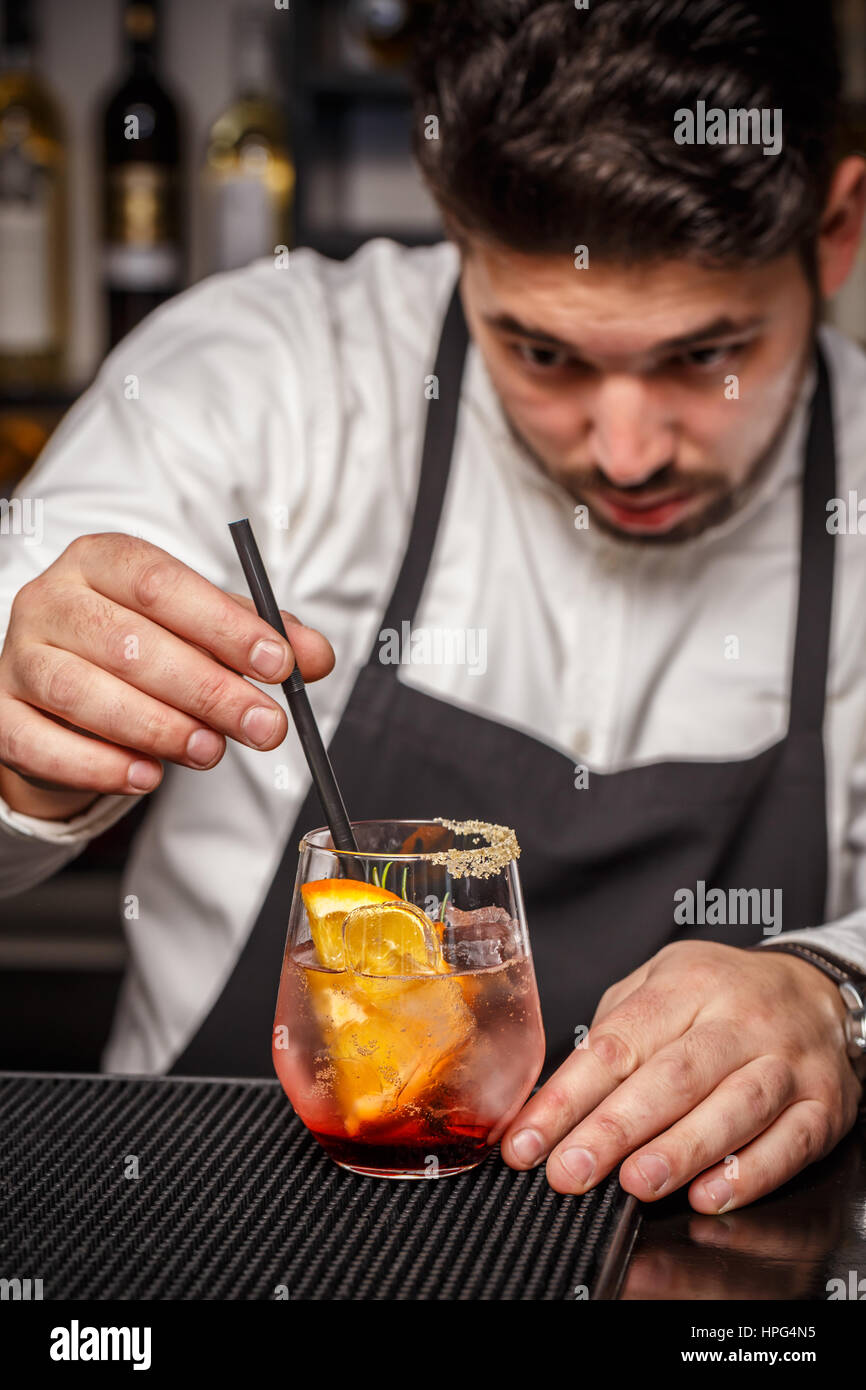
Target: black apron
(599, 866)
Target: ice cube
(480, 938)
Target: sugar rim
(481, 861)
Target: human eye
(542, 357)
(709, 358)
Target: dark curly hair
(556, 125)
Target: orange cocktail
(407, 1037)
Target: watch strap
(835, 966)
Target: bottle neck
(142, 59)
(253, 63)
(141, 36)
(17, 39)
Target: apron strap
(439, 433)
(817, 549)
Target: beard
(722, 498)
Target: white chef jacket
(296, 396)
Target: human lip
(646, 513)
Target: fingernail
(203, 746)
(578, 1163)
(719, 1192)
(143, 776)
(259, 724)
(654, 1171)
(527, 1145)
(268, 658)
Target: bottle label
(27, 275)
(243, 221)
(141, 251)
(141, 267)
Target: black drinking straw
(295, 691)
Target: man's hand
(718, 1067)
(119, 657)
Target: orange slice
(391, 939)
(328, 900)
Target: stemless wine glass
(408, 1030)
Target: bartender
(600, 438)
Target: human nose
(631, 442)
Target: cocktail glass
(408, 1030)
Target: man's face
(618, 380)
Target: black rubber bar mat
(165, 1188)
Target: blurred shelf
(63, 926)
(343, 84)
(344, 119)
(53, 398)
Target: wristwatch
(851, 980)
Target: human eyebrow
(507, 323)
(722, 327)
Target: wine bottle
(33, 233)
(249, 173)
(143, 247)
